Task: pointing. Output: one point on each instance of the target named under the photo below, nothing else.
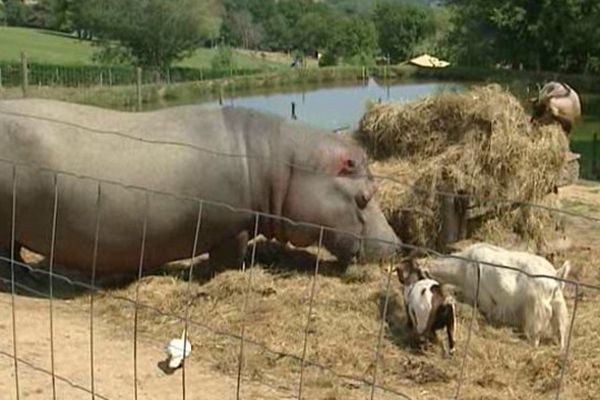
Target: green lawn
(203, 57)
(43, 46)
(56, 48)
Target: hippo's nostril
(362, 200)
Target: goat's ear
(423, 273)
(400, 273)
(437, 289)
(447, 291)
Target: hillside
(57, 48)
(362, 6)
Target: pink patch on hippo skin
(347, 166)
(342, 161)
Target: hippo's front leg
(230, 252)
(5, 253)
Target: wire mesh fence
(303, 357)
(43, 75)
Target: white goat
(507, 296)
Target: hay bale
(478, 143)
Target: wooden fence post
(24, 74)
(0, 77)
(294, 110)
(139, 88)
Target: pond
(337, 107)
(341, 107)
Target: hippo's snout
(380, 241)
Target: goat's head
(410, 272)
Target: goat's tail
(560, 314)
(563, 272)
(560, 317)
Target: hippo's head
(337, 191)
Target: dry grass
(478, 143)
(344, 329)
(345, 324)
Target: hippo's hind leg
(230, 253)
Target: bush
(223, 59)
(327, 60)
(362, 59)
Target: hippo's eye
(351, 164)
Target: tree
(41, 14)
(239, 29)
(16, 13)
(278, 35)
(437, 43)
(2, 13)
(401, 28)
(560, 35)
(63, 15)
(153, 33)
(313, 31)
(358, 38)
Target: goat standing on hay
(507, 296)
(427, 309)
(558, 102)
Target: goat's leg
(536, 318)
(560, 319)
(451, 328)
(409, 322)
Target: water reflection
(336, 107)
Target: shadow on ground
(32, 278)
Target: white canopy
(428, 61)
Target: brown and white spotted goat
(557, 102)
(427, 309)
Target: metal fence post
(24, 74)
(139, 88)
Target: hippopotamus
(148, 179)
(557, 102)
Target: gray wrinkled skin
(336, 193)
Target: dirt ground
(272, 310)
(113, 360)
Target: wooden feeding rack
(457, 213)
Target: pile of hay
(478, 143)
